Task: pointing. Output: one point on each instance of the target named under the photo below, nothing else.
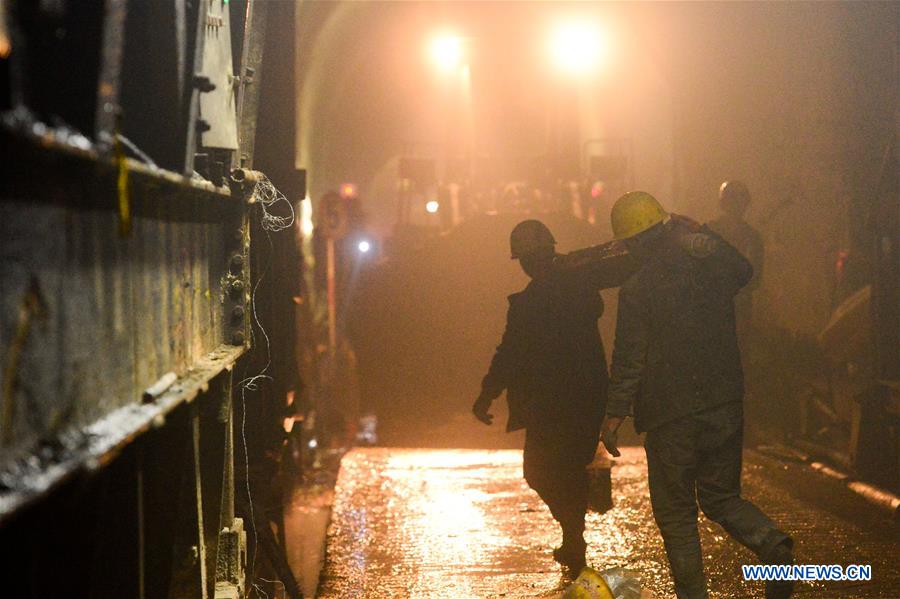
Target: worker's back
(561, 375)
(683, 306)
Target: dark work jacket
(551, 359)
(676, 350)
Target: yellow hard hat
(590, 584)
(634, 213)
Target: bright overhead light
(577, 47)
(447, 51)
(432, 206)
(364, 246)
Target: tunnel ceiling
(799, 100)
(368, 92)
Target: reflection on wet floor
(463, 523)
(436, 523)
(306, 521)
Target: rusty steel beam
(250, 77)
(117, 393)
(194, 123)
(46, 165)
(105, 439)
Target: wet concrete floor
(306, 520)
(462, 523)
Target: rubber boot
(780, 555)
(571, 553)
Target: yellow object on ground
(589, 585)
(634, 213)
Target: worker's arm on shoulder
(629, 358)
(606, 265)
(720, 257)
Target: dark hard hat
(734, 195)
(529, 237)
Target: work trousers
(697, 459)
(555, 467)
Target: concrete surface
(306, 520)
(462, 523)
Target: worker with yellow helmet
(676, 368)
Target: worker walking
(552, 365)
(677, 365)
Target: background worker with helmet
(552, 365)
(676, 363)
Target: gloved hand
(695, 241)
(480, 409)
(609, 434)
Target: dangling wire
(251, 383)
(266, 195)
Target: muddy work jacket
(551, 360)
(676, 350)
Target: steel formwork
(125, 305)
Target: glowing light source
(306, 221)
(447, 51)
(364, 246)
(577, 47)
(432, 206)
(348, 191)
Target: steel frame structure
(125, 295)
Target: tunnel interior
(264, 281)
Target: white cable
(266, 195)
(250, 383)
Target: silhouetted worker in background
(734, 199)
(676, 362)
(551, 363)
